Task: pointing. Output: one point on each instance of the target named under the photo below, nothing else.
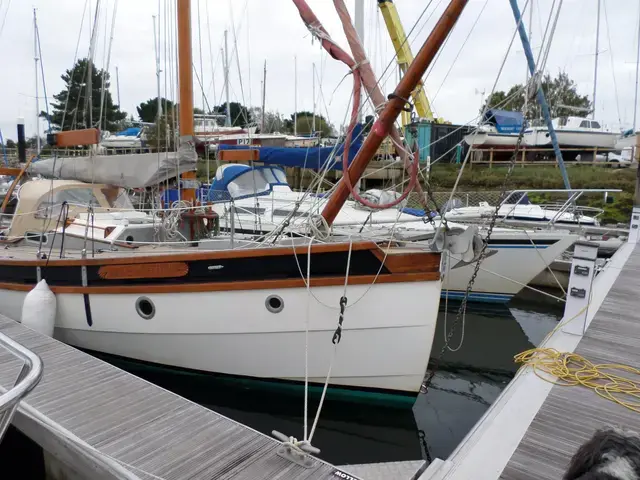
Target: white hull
(488, 140)
(506, 270)
(383, 346)
(539, 137)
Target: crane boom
(404, 58)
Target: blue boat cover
(129, 132)
(314, 157)
(236, 181)
(505, 121)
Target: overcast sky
(272, 31)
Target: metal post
(541, 98)
(634, 229)
(579, 292)
(595, 67)
(22, 144)
(227, 120)
(36, 59)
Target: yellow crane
(404, 57)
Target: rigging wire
(613, 70)
(4, 17)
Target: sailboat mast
(118, 86)
(227, 120)
(395, 105)
(313, 94)
(36, 60)
(264, 95)
(595, 68)
(185, 75)
(185, 83)
(359, 24)
(157, 55)
(635, 97)
(295, 96)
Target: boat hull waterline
(231, 328)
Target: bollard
(579, 291)
(634, 228)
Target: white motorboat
(133, 138)
(573, 132)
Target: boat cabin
(39, 204)
(577, 123)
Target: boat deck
(570, 415)
(83, 404)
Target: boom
(404, 57)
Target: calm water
(468, 381)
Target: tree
(240, 115)
(70, 108)
(10, 144)
(273, 121)
(148, 111)
(305, 124)
(561, 92)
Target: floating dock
(533, 429)
(97, 421)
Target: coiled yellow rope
(569, 369)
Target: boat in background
(573, 132)
(498, 129)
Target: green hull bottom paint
(389, 399)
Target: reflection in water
(468, 381)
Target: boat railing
(28, 377)
(568, 206)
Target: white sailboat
(247, 312)
(573, 132)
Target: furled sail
(127, 171)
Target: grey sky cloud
(272, 31)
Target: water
(466, 384)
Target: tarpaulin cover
(312, 157)
(505, 121)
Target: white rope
(306, 341)
(335, 350)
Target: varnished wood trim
(144, 270)
(192, 256)
(409, 262)
(233, 286)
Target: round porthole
(145, 308)
(274, 303)
(129, 239)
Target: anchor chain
(337, 335)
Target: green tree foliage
(305, 124)
(148, 111)
(162, 132)
(240, 115)
(11, 144)
(72, 106)
(561, 92)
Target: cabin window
(52, 204)
(36, 237)
(595, 125)
(585, 124)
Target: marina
(212, 289)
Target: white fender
(39, 309)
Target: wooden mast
(185, 80)
(397, 101)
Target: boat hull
(510, 265)
(539, 137)
(491, 140)
(234, 333)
